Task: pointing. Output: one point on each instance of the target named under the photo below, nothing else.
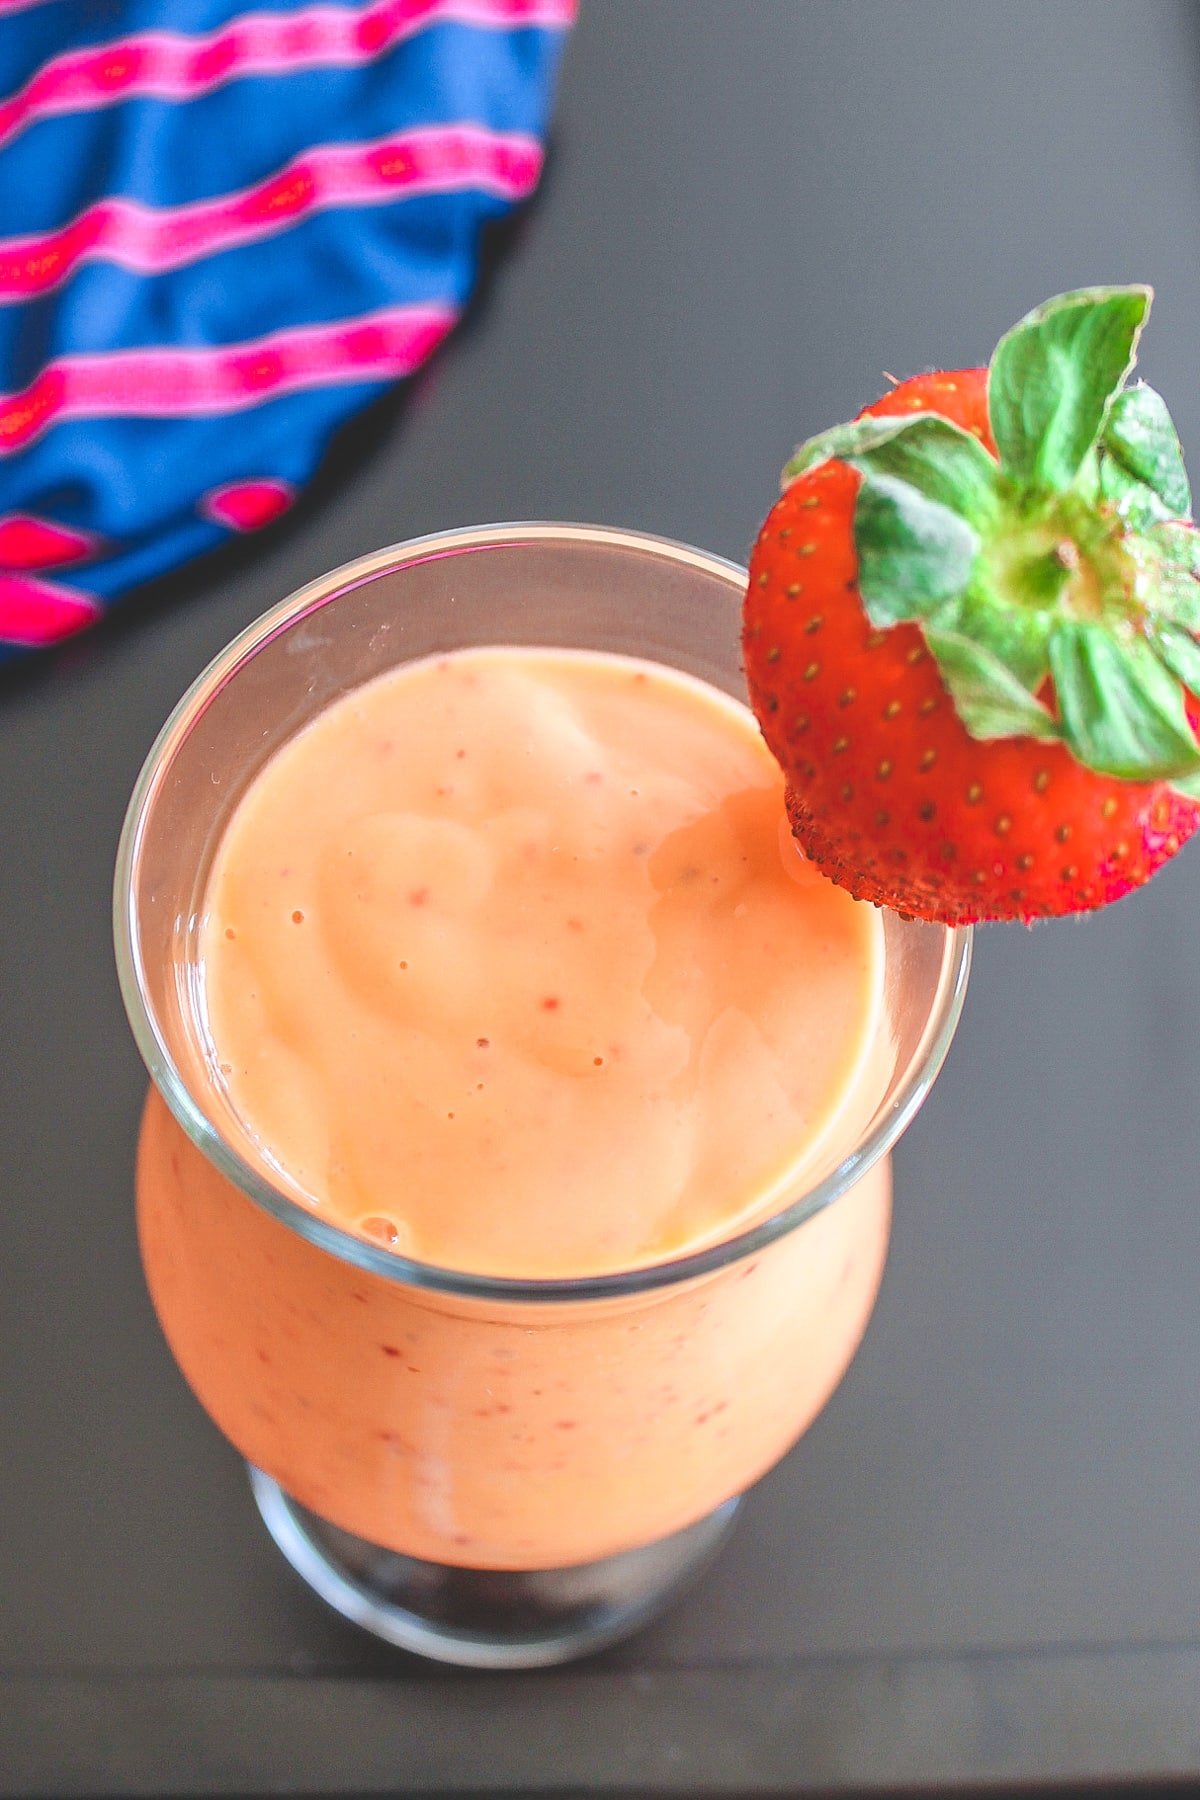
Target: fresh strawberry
(969, 630)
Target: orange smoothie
(510, 966)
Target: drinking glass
(496, 1472)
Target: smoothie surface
(510, 964)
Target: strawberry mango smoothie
(509, 965)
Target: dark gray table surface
(982, 1565)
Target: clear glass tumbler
(607, 1424)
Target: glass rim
(254, 1183)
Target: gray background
(983, 1563)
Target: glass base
(488, 1618)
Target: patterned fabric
(223, 230)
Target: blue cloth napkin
(224, 228)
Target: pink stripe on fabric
(435, 159)
(169, 66)
(40, 612)
(248, 505)
(163, 384)
(27, 542)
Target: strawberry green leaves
(1122, 712)
(1178, 543)
(1141, 463)
(846, 442)
(913, 553)
(938, 458)
(1057, 583)
(1051, 379)
(987, 696)
(1167, 558)
(1181, 654)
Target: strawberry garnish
(970, 630)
